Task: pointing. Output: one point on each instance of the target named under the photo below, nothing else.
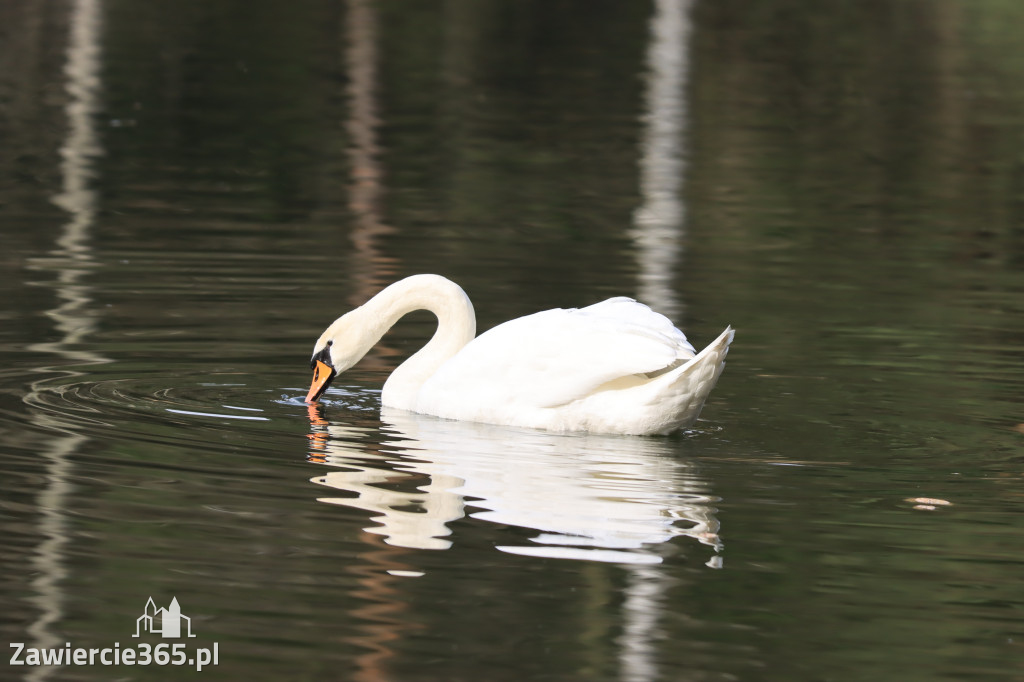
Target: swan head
(323, 371)
(342, 345)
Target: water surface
(190, 193)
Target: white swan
(613, 367)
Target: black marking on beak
(323, 356)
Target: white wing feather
(557, 356)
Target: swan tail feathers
(692, 383)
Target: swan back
(611, 367)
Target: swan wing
(557, 356)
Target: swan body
(612, 367)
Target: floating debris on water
(928, 503)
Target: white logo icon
(166, 622)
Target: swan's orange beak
(322, 375)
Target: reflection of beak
(322, 376)
(319, 436)
(316, 418)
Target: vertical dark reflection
(369, 268)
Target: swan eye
(323, 356)
(330, 342)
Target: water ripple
(133, 404)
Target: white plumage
(612, 367)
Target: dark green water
(191, 191)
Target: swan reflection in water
(591, 497)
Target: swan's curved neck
(456, 326)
